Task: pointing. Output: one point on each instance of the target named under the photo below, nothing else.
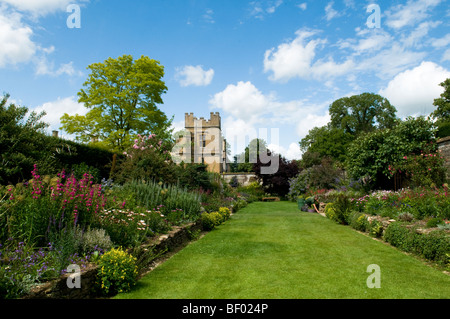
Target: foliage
(117, 272)
(426, 169)
(442, 112)
(359, 221)
(324, 142)
(122, 96)
(245, 160)
(93, 240)
(362, 113)
(148, 158)
(371, 155)
(411, 204)
(433, 246)
(278, 182)
(45, 205)
(443, 129)
(254, 190)
(21, 141)
(210, 220)
(150, 195)
(376, 228)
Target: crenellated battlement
(213, 122)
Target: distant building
(208, 146)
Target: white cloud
(243, 101)
(296, 59)
(410, 13)
(248, 109)
(56, 109)
(441, 42)
(273, 7)
(446, 56)
(43, 67)
(390, 61)
(309, 121)
(17, 45)
(303, 6)
(15, 38)
(415, 37)
(194, 75)
(293, 152)
(330, 13)
(260, 9)
(41, 7)
(413, 91)
(208, 16)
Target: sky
(269, 67)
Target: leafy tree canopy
(324, 142)
(442, 112)
(362, 113)
(122, 96)
(371, 154)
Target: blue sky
(263, 64)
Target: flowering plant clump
(44, 205)
(424, 169)
(128, 227)
(117, 272)
(419, 202)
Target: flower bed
(49, 223)
(416, 221)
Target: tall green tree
(122, 96)
(22, 135)
(442, 112)
(371, 155)
(246, 159)
(324, 142)
(362, 113)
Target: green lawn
(272, 251)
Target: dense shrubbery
(433, 246)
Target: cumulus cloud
(194, 75)
(248, 110)
(15, 38)
(56, 109)
(297, 59)
(413, 91)
(293, 151)
(244, 101)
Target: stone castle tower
(208, 144)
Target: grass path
(273, 251)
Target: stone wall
(243, 179)
(444, 147)
(58, 289)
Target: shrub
(405, 217)
(359, 221)
(330, 212)
(432, 246)
(211, 220)
(117, 272)
(433, 222)
(398, 235)
(225, 213)
(342, 207)
(95, 240)
(376, 229)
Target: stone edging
(58, 289)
